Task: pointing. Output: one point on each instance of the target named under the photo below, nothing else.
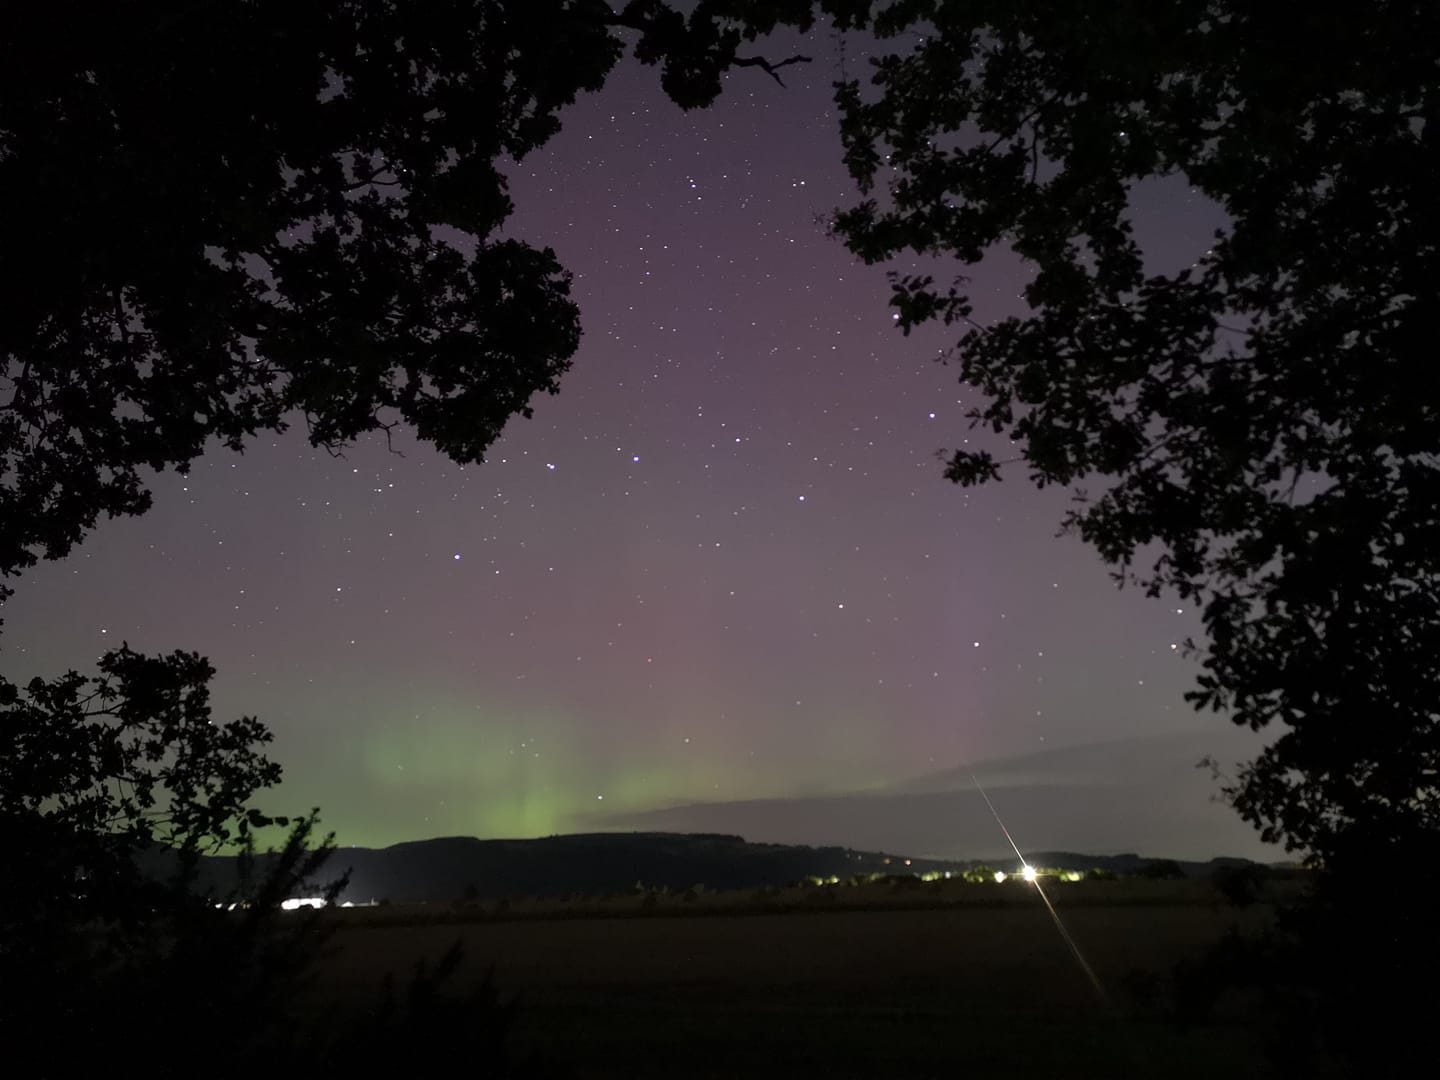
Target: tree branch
(771, 69)
(645, 25)
(373, 180)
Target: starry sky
(721, 569)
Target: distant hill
(601, 863)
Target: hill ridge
(441, 869)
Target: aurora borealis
(721, 565)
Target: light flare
(1029, 874)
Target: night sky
(721, 566)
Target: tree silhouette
(96, 774)
(1260, 431)
(111, 788)
(223, 215)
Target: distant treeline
(608, 863)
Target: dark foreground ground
(979, 984)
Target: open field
(980, 985)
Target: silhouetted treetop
(225, 212)
(220, 214)
(1262, 428)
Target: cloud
(1141, 795)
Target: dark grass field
(873, 985)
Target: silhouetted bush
(1341, 981)
(1240, 885)
(242, 981)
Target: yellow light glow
(999, 876)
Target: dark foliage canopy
(221, 214)
(1260, 433)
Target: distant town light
(296, 902)
(999, 876)
(1028, 873)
